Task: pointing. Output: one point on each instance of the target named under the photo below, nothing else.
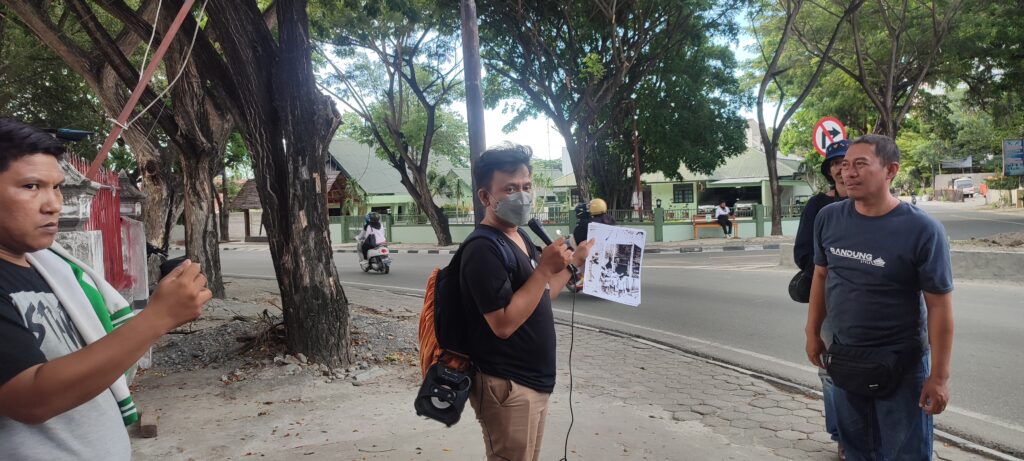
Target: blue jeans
(829, 401)
(893, 428)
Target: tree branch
(39, 23)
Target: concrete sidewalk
(632, 399)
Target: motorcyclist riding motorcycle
(373, 250)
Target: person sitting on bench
(723, 215)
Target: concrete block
(997, 266)
(786, 256)
(87, 246)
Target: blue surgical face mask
(515, 208)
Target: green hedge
(1003, 182)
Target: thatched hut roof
(249, 198)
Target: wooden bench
(700, 221)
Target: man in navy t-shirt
(883, 270)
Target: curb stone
(680, 250)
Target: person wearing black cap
(831, 168)
(803, 254)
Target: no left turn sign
(827, 131)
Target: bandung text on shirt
(50, 324)
(865, 258)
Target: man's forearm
(940, 332)
(52, 388)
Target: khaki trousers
(511, 416)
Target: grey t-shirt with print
(35, 328)
(877, 270)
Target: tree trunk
(225, 214)
(439, 222)
(200, 221)
(287, 125)
(773, 184)
(886, 125)
(578, 154)
(424, 200)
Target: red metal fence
(105, 216)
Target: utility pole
(474, 95)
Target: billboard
(1013, 157)
(959, 164)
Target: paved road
(733, 307)
(964, 221)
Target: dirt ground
(1006, 239)
(228, 353)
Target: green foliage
(237, 159)
(37, 88)
(399, 75)
(1003, 182)
(583, 63)
(593, 68)
(985, 56)
(546, 164)
(450, 137)
(889, 49)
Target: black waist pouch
(870, 371)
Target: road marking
(953, 409)
(986, 219)
(345, 282)
(773, 255)
(749, 267)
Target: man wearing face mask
(513, 332)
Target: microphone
(538, 229)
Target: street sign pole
(474, 96)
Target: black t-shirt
(528, 356)
(803, 246)
(30, 317)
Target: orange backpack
(444, 327)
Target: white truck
(965, 185)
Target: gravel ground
(225, 337)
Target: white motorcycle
(377, 258)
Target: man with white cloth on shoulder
(66, 336)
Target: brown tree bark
(287, 125)
(200, 220)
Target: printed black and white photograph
(612, 271)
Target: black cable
(572, 338)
